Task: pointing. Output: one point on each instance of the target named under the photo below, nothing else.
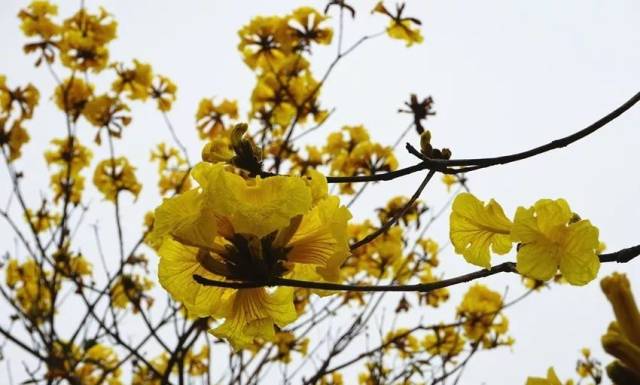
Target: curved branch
(396, 217)
(621, 256)
(473, 164)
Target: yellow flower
(164, 91)
(479, 311)
(72, 95)
(246, 230)
(355, 153)
(130, 289)
(197, 363)
(552, 379)
(43, 219)
(401, 28)
(135, 82)
(475, 228)
(19, 102)
(173, 169)
(99, 363)
(218, 150)
(334, 379)
(15, 138)
(402, 341)
(264, 41)
(106, 111)
(68, 153)
(435, 297)
(211, 117)
(550, 239)
(36, 20)
(449, 180)
(306, 27)
(114, 175)
(287, 342)
(396, 205)
(84, 40)
(24, 279)
(444, 341)
(622, 339)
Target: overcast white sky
(505, 75)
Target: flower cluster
(16, 107)
(173, 169)
(352, 152)
(550, 237)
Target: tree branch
(621, 256)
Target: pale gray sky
(505, 75)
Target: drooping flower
(480, 312)
(84, 40)
(212, 118)
(475, 228)
(72, 95)
(134, 81)
(401, 27)
(115, 175)
(252, 230)
(622, 339)
(551, 238)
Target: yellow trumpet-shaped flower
(476, 227)
(250, 230)
(622, 339)
(550, 238)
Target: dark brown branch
(387, 225)
(473, 164)
(622, 256)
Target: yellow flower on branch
(72, 95)
(551, 237)
(305, 25)
(105, 111)
(164, 91)
(622, 339)
(444, 341)
(84, 40)
(264, 41)
(212, 119)
(482, 321)
(135, 81)
(252, 230)
(35, 20)
(68, 152)
(115, 175)
(400, 27)
(475, 228)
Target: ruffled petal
(178, 264)
(538, 260)
(257, 207)
(579, 265)
(253, 313)
(185, 218)
(476, 228)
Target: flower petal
(178, 264)
(475, 228)
(579, 265)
